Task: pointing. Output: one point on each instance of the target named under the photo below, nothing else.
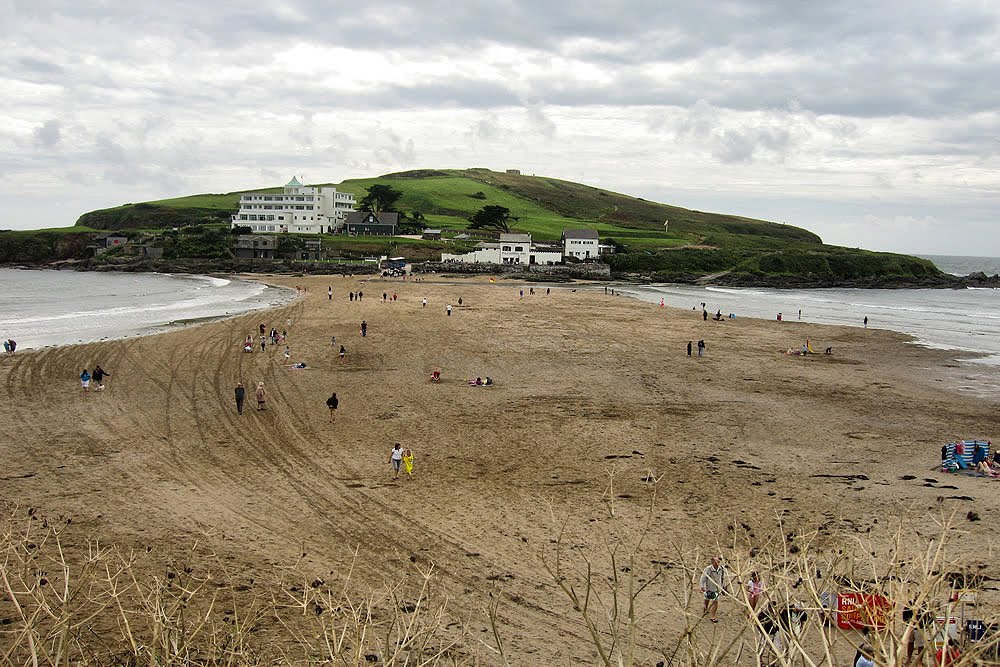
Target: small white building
(510, 249)
(581, 243)
(515, 248)
(298, 209)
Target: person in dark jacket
(241, 396)
(332, 403)
(99, 374)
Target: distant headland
(462, 221)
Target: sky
(873, 124)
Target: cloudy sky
(874, 124)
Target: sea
(40, 308)
(966, 320)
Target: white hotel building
(299, 209)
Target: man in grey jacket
(713, 584)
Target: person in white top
(396, 459)
(713, 584)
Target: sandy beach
(596, 409)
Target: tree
(497, 217)
(380, 198)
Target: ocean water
(45, 307)
(963, 266)
(962, 319)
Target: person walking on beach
(13, 345)
(408, 462)
(396, 459)
(704, 315)
(701, 348)
(332, 403)
(6, 346)
(99, 374)
(343, 353)
(364, 329)
(241, 396)
(866, 321)
(713, 584)
(424, 302)
(329, 293)
(85, 380)
(449, 310)
(288, 353)
(261, 396)
(689, 348)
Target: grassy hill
(693, 245)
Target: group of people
(97, 377)
(778, 622)
(10, 346)
(981, 459)
(264, 336)
(259, 393)
(400, 457)
(701, 348)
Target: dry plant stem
(492, 617)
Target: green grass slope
(543, 206)
(693, 245)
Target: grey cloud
(48, 134)
(541, 123)
(849, 58)
(488, 128)
(744, 145)
(38, 66)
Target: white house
(298, 209)
(515, 248)
(580, 243)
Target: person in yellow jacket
(408, 462)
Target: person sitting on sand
(488, 382)
(984, 468)
(436, 376)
